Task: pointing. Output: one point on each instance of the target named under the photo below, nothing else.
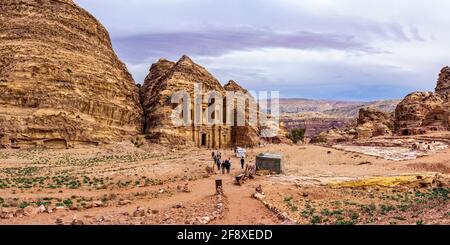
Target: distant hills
(318, 116)
(330, 108)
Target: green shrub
(24, 205)
(68, 202)
(297, 135)
(316, 220)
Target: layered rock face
(247, 135)
(333, 136)
(166, 78)
(61, 84)
(443, 84)
(373, 122)
(423, 112)
(316, 125)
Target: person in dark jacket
(223, 166)
(228, 165)
(218, 163)
(242, 162)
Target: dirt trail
(241, 208)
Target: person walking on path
(228, 165)
(242, 162)
(218, 163)
(223, 167)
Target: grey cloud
(139, 47)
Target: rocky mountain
(332, 109)
(373, 122)
(234, 87)
(318, 116)
(61, 84)
(246, 135)
(164, 79)
(443, 84)
(316, 125)
(417, 113)
(422, 112)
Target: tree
(297, 134)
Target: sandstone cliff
(415, 113)
(443, 84)
(164, 79)
(248, 135)
(61, 84)
(373, 122)
(422, 112)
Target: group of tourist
(224, 165)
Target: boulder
(30, 211)
(7, 213)
(97, 204)
(373, 122)
(334, 136)
(124, 202)
(139, 212)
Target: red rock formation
(422, 112)
(373, 122)
(248, 135)
(166, 78)
(443, 84)
(316, 125)
(61, 84)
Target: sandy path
(241, 208)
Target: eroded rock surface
(61, 84)
(373, 122)
(246, 135)
(166, 78)
(417, 113)
(443, 84)
(423, 112)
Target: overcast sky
(327, 49)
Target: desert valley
(83, 143)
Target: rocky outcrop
(418, 113)
(316, 125)
(247, 135)
(443, 84)
(278, 132)
(422, 112)
(373, 122)
(234, 87)
(333, 136)
(166, 78)
(61, 84)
